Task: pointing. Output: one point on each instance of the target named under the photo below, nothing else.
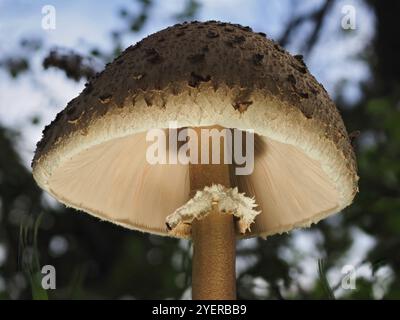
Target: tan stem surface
(214, 240)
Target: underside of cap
(92, 156)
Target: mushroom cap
(92, 157)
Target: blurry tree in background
(96, 259)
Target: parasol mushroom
(92, 157)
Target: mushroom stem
(214, 239)
(213, 270)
